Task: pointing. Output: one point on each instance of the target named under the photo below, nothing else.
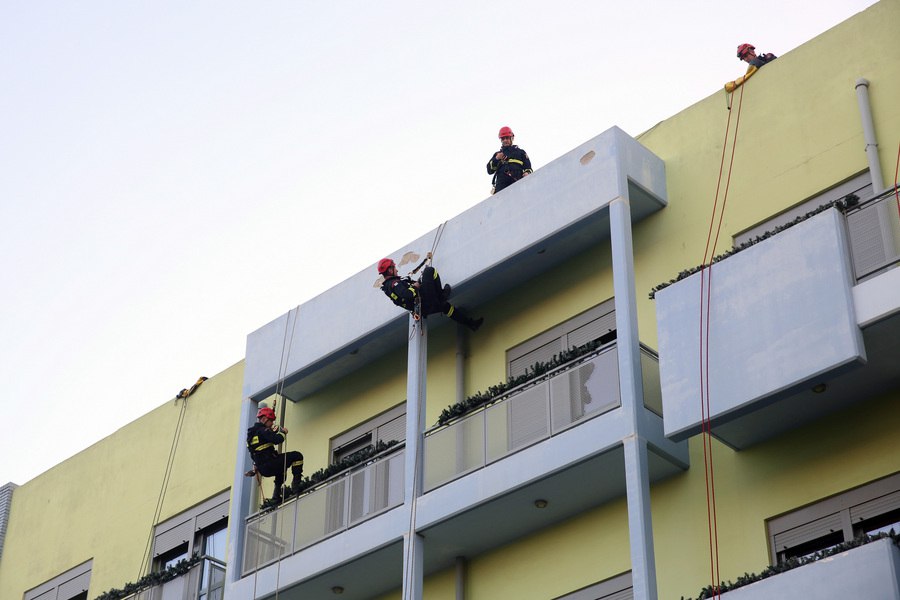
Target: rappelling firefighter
(426, 296)
(262, 439)
(510, 163)
(747, 53)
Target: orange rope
(706, 286)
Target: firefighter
(510, 163)
(262, 439)
(427, 293)
(747, 53)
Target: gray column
(637, 478)
(413, 544)
(242, 488)
(640, 528)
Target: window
(201, 530)
(598, 323)
(869, 509)
(198, 529)
(615, 588)
(71, 585)
(386, 427)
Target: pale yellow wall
(830, 456)
(316, 419)
(100, 503)
(569, 556)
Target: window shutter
(543, 354)
(808, 532)
(592, 331)
(213, 515)
(875, 508)
(74, 586)
(392, 430)
(174, 537)
(623, 595)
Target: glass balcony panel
(321, 513)
(269, 537)
(874, 236)
(588, 390)
(389, 482)
(376, 488)
(454, 450)
(517, 422)
(650, 378)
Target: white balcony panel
(781, 318)
(871, 571)
(877, 298)
(560, 210)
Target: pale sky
(174, 175)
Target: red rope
(705, 409)
(896, 190)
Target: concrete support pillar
(640, 528)
(413, 544)
(637, 477)
(240, 498)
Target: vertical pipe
(460, 578)
(865, 112)
(460, 362)
(637, 477)
(413, 543)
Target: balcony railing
(204, 581)
(339, 503)
(569, 395)
(874, 228)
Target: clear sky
(174, 175)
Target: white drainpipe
(865, 111)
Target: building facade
(510, 465)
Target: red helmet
(384, 264)
(265, 411)
(743, 49)
(505, 132)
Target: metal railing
(204, 581)
(569, 395)
(337, 504)
(874, 228)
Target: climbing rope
(704, 337)
(279, 389)
(411, 531)
(183, 396)
(287, 344)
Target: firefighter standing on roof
(510, 163)
(427, 292)
(262, 439)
